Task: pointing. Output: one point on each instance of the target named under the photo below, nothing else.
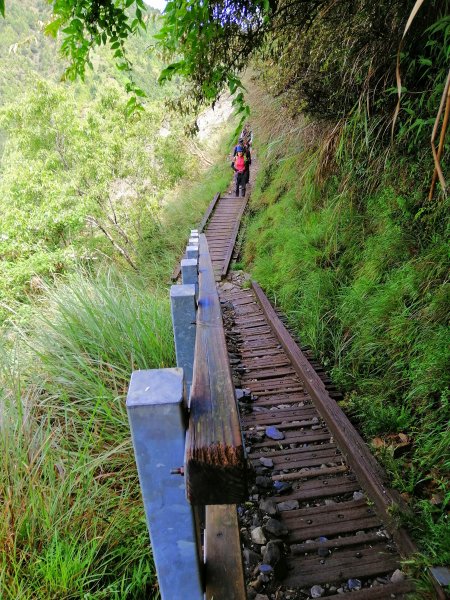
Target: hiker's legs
(240, 182)
(236, 178)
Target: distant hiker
(248, 158)
(240, 168)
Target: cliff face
(342, 237)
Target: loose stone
(275, 529)
(354, 584)
(266, 462)
(317, 591)
(268, 506)
(251, 558)
(258, 536)
(272, 553)
(282, 486)
(288, 505)
(265, 569)
(274, 434)
(358, 496)
(264, 482)
(397, 576)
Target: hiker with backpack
(239, 166)
(247, 154)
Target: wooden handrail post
(183, 305)
(157, 416)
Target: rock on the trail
(261, 597)
(275, 529)
(272, 553)
(265, 569)
(258, 536)
(269, 506)
(317, 591)
(264, 482)
(282, 486)
(397, 576)
(251, 558)
(354, 584)
(288, 505)
(266, 462)
(358, 496)
(274, 434)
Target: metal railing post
(183, 305)
(189, 271)
(192, 251)
(157, 416)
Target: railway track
(317, 523)
(318, 520)
(330, 539)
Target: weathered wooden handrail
(215, 463)
(214, 457)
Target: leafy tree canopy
(324, 55)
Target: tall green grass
(72, 521)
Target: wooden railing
(185, 421)
(215, 461)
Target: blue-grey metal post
(156, 412)
(192, 251)
(183, 304)
(189, 270)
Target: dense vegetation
(343, 238)
(343, 233)
(93, 219)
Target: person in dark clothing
(248, 157)
(247, 154)
(240, 143)
(240, 168)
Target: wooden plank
(381, 592)
(215, 465)
(301, 437)
(349, 441)
(322, 488)
(208, 212)
(328, 529)
(359, 540)
(229, 254)
(340, 566)
(224, 572)
(309, 473)
(292, 451)
(335, 513)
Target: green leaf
(2, 7)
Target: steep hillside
(341, 237)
